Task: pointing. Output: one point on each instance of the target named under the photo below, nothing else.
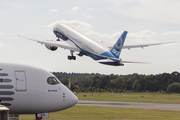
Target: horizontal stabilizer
(111, 62)
(118, 63)
(136, 62)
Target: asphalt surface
(130, 105)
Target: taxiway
(130, 105)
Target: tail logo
(118, 47)
(117, 50)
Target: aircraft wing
(138, 46)
(63, 44)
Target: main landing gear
(72, 57)
(58, 39)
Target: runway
(130, 105)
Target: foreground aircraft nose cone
(71, 101)
(74, 99)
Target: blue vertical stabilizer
(116, 50)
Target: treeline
(121, 83)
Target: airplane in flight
(29, 90)
(75, 41)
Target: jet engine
(52, 48)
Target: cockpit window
(53, 81)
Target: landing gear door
(20, 81)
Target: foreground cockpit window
(53, 81)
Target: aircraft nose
(69, 97)
(74, 99)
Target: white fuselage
(86, 45)
(29, 90)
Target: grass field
(106, 113)
(132, 97)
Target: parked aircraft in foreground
(29, 90)
(75, 41)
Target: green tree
(174, 88)
(64, 81)
(135, 83)
(148, 86)
(138, 87)
(103, 82)
(120, 83)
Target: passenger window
(53, 81)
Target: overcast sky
(147, 21)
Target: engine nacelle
(52, 48)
